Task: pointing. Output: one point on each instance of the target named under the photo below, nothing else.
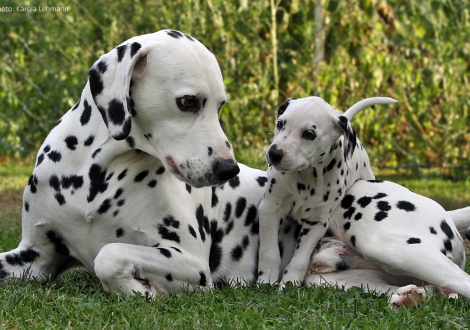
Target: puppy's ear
(343, 126)
(283, 107)
(109, 82)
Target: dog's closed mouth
(172, 164)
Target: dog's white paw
(409, 296)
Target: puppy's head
(161, 93)
(306, 130)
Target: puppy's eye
(280, 124)
(188, 103)
(309, 135)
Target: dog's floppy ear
(109, 82)
(343, 126)
(283, 107)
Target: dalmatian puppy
(390, 240)
(138, 183)
(314, 158)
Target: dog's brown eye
(188, 103)
(309, 135)
(280, 124)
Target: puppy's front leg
(309, 236)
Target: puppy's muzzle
(274, 155)
(225, 169)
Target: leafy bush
(414, 51)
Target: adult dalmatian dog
(138, 183)
(383, 237)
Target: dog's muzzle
(225, 169)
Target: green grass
(77, 300)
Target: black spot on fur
(188, 188)
(347, 225)
(446, 229)
(121, 50)
(139, 177)
(60, 198)
(175, 34)
(40, 159)
(96, 83)
(75, 107)
(55, 156)
(227, 211)
(122, 175)
(135, 48)
(89, 141)
(215, 256)
(348, 214)
(364, 201)
(214, 198)
(86, 114)
(165, 252)
(120, 232)
(97, 181)
(235, 182)
(300, 187)
(379, 216)
(169, 278)
(380, 195)
(165, 233)
(171, 222)
(26, 206)
(210, 151)
(192, 231)
(347, 201)
(130, 141)
(105, 205)
(432, 231)
(152, 184)
(160, 170)
(358, 216)
(56, 241)
(240, 207)
(331, 165)
(448, 245)
(200, 221)
(32, 182)
(262, 180)
(342, 265)
(237, 253)
(116, 112)
(406, 206)
(353, 240)
(54, 182)
(251, 215)
(383, 206)
(71, 142)
(96, 152)
(413, 240)
(202, 279)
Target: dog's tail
(461, 218)
(352, 111)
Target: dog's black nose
(275, 155)
(225, 169)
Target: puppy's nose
(275, 155)
(225, 169)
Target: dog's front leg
(150, 271)
(309, 236)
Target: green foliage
(416, 52)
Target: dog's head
(161, 93)
(308, 129)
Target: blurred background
(343, 51)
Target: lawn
(78, 301)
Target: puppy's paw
(409, 296)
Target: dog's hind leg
(150, 271)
